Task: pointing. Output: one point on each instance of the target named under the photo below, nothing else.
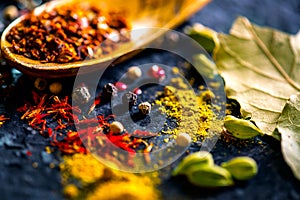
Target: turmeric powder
(97, 181)
(192, 112)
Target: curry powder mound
(192, 112)
(97, 181)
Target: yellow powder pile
(131, 189)
(191, 111)
(97, 181)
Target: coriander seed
(134, 72)
(40, 84)
(10, 12)
(183, 140)
(55, 87)
(116, 127)
(109, 90)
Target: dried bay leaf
(289, 127)
(261, 68)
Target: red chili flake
(60, 125)
(143, 134)
(121, 86)
(36, 98)
(148, 148)
(157, 72)
(2, 119)
(50, 132)
(96, 102)
(89, 131)
(23, 108)
(54, 107)
(56, 35)
(71, 144)
(28, 153)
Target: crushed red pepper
(49, 107)
(69, 33)
(2, 119)
(55, 118)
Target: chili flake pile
(69, 33)
(54, 117)
(44, 107)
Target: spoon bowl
(139, 13)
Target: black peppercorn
(129, 98)
(81, 94)
(109, 90)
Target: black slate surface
(20, 180)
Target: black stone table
(24, 167)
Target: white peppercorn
(134, 72)
(183, 140)
(116, 127)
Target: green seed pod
(241, 168)
(209, 176)
(205, 36)
(240, 128)
(194, 160)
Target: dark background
(19, 180)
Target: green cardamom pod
(240, 128)
(194, 159)
(241, 168)
(205, 36)
(209, 176)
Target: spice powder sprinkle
(193, 114)
(97, 181)
(69, 33)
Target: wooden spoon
(140, 13)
